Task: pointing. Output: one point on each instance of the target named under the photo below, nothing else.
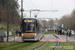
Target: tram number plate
(29, 20)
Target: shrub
(45, 32)
(2, 28)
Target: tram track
(40, 45)
(47, 42)
(57, 45)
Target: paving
(66, 38)
(10, 33)
(50, 38)
(13, 39)
(46, 37)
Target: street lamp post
(22, 10)
(8, 16)
(30, 13)
(7, 19)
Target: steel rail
(57, 43)
(41, 45)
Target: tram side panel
(39, 30)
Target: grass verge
(2, 45)
(3, 26)
(48, 46)
(31, 47)
(24, 46)
(66, 46)
(52, 33)
(20, 46)
(45, 32)
(11, 46)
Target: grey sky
(64, 7)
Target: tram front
(28, 29)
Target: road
(50, 37)
(66, 38)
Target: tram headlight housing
(35, 34)
(22, 34)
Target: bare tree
(69, 20)
(44, 23)
(51, 22)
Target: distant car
(72, 32)
(65, 32)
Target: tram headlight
(35, 34)
(22, 34)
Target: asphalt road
(66, 38)
(50, 37)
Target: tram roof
(36, 19)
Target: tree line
(14, 17)
(49, 23)
(68, 20)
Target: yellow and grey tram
(31, 29)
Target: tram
(32, 29)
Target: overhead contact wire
(32, 4)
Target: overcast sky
(63, 7)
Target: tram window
(37, 28)
(29, 27)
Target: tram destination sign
(29, 20)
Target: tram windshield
(29, 27)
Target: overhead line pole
(22, 10)
(7, 19)
(30, 13)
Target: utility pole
(22, 10)
(7, 19)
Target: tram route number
(29, 20)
